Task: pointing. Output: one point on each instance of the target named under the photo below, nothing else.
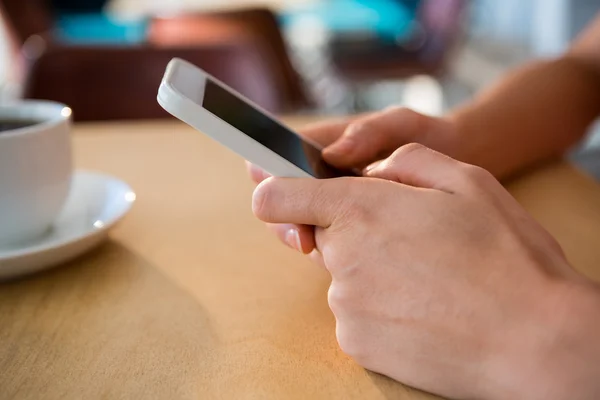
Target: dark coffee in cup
(11, 124)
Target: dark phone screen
(252, 122)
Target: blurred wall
(546, 26)
(582, 12)
(543, 26)
(505, 20)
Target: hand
(301, 237)
(442, 281)
(355, 143)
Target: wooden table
(193, 299)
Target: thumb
(376, 136)
(419, 166)
(317, 202)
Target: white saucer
(95, 204)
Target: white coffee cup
(35, 169)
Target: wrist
(470, 143)
(487, 145)
(557, 356)
(572, 358)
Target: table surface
(192, 298)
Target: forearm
(534, 114)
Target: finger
(256, 174)
(321, 133)
(317, 258)
(316, 202)
(298, 237)
(419, 166)
(372, 166)
(327, 132)
(376, 136)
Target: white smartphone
(210, 106)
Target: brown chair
(258, 24)
(428, 52)
(106, 83)
(26, 18)
(110, 82)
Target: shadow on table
(389, 389)
(111, 325)
(106, 325)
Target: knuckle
(411, 148)
(407, 115)
(400, 111)
(351, 343)
(474, 175)
(357, 206)
(354, 211)
(337, 300)
(344, 300)
(408, 150)
(387, 165)
(359, 127)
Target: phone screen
(268, 132)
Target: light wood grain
(193, 299)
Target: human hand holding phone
(354, 143)
(440, 280)
(329, 150)
(301, 237)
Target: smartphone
(203, 102)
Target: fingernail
(371, 167)
(292, 238)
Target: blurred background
(106, 58)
